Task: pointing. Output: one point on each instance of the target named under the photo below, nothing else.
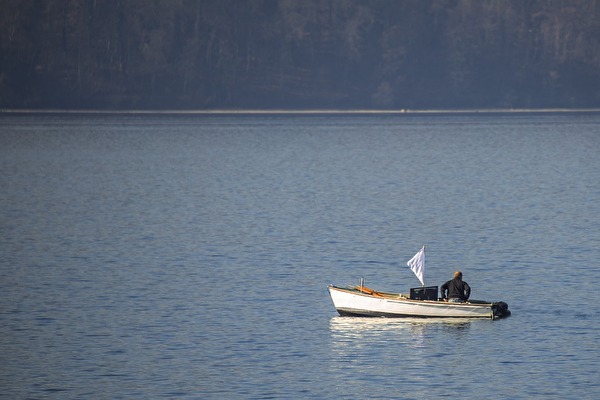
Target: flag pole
(423, 283)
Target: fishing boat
(422, 301)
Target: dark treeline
(199, 54)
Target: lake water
(188, 256)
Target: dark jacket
(457, 288)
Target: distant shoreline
(305, 112)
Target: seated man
(458, 291)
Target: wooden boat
(420, 302)
(366, 302)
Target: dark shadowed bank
(310, 54)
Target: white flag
(417, 265)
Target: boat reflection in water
(397, 357)
(394, 357)
(357, 327)
(356, 332)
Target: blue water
(188, 257)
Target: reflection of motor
(500, 309)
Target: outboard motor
(500, 309)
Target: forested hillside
(384, 54)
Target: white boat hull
(355, 303)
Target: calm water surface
(188, 257)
